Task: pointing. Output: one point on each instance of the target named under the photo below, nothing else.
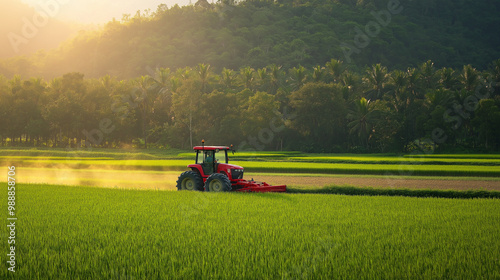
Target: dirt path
(167, 180)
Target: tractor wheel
(218, 182)
(190, 180)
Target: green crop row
(458, 156)
(90, 153)
(396, 160)
(373, 169)
(351, 190)
(282, 167)
(90, 233)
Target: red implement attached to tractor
(212, 172)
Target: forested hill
(398, 34)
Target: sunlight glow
(99, 11)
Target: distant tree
(263, 78)
(448, 79)
(469, 78)
(362, 118)
(376, 79)
(227, 78)
(318, 73)
(321, 112)
(247, 77)
(428, 75)
(204, 73)
(298, 77)
(65, 111)
(496, 76)
(144, 97)
(487, 122)
(276, 78)
(351, 83)
(222, 118)
(414, 85)
(335, 69)
(259, 116)
(398, 96)
(186, 105)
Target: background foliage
(266, 76)
(271, 108)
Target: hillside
(286, 33)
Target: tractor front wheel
(190, 181)
(218, 182)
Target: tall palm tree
(263, 77)
(362, 118)
(275, 78)
(335, 68)
(247, 76)
(175, 83)
(428, 75)
(469, 78)
(318, 73)
(438, 97)
(298, 77)
(161, 80)
(184, 73)
(227, 78)
(350, 81)
(376, 79)
(144, 100)
(413, 85)
(203, 71)
(448, 79)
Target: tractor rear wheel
(218, 182)
(190, 181)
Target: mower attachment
(253, 186)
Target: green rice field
(311, 232)
(94, 233)
(275, 162)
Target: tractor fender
(197, 168)
(225, 173)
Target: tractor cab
(210, 157)
(214, 159)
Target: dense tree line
(326, 108)
(257, 33)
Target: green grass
(90, 153)
(352, 190)
(51, 158)
(397, 160)
(470, 156)
(90, 233)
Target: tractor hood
(226, 166)
(234, 171)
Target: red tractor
(212, 172)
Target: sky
(99, 11)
